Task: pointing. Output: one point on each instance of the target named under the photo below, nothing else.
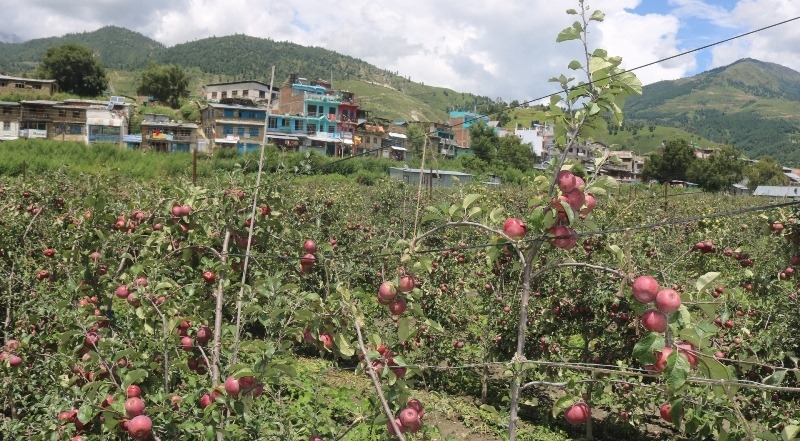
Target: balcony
(104, 138)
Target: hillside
(751, 104)
(235, 57)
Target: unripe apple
(645, 289)
(668, 300)
(515, 228)
(577, 414)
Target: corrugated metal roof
(777, 191)
(4, 77)
(440, 172)
(792, 176)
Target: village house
(9, 120)
(256, 91)
(27, 85)
(234, 126)
(429, 178)
(161, 134)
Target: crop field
(281, 306)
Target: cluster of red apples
(571, 196)
(9, 353)
(409, 420)
(388, 293)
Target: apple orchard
(153, 310)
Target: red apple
(661, 359)
(203, 334)
(186, 210)
(139, 427)
(668, 300)
(645, 289)
(397, 423)
(176, 211)
(209, 277)
(688, 351)
(563, 237)
(654, 320)
(407, 283)
(576, 199)
(398, 306)
(205, 401)
(566, 181)
(49, 252)
(416, 405)
(326, 339)
(187, 344)
(310, 246)
(307, 260)
(134, 406)
(409, 418)
(133, 391)
(386, 292)
(122, 292)
(577, 414)
(11, 345)
(14, 360)
(515, 228)
(315, 438)
(232, 386)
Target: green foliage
(765, 172)
(673, 162)
(165, 83)
(75, 70)
(719, 171)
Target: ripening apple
(187, 344)
(566, 181)
(134, 406)
(563, 237)
(310, 246)
(645, 289)
(664, 411)
(577, 414)
(668, 300)
(661, 359)
(407, 283)
(654, 320)
(139, 427)
(326, 339)
(14, 360)
(307, 260)
(515, 228)
(589, 204)
(49, 252)
(11, 345)
(315, 438)
(205, 400)
(122, 292)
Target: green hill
(750, 104)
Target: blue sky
(504, 49)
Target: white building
(252, 90)
(538, 137)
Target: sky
(502, 49)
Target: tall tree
(75, 69)
(512, 153)
(164, 83)
(672, 162)
(483, 141)
(415, 138)
(717, 172)
(765, 172)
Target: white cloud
(777, 45)
(505, 50)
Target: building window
(298, 125)
(37, 86)
(312, 128)
(272, 123)
(235, 93)
(331, 129)
(62, 113)
(75, 129)
(6, 126)
(240, 131)
(227, 130)
(245, 92)
(76, 114)
(213, 95)
(254, 132)
(224, 94)
(312, 110)
(6, 111)
(262, 94)
(20, 85)
(3, 83)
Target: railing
(104, 138)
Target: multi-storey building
(461, 122)
(255, 91)
(161, 134)
(234, 126)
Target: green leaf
(597, 16)
(776, 378)
(571, 33)
(712, 368)
(473, 211)
(767, 436)
(572, 11)
(704, 280)
(790, 432)
(85, 413)
(403, 328)
(133, 377)
(677, 371)
(597, 64)
(496, 215)
(562, 404)
(469, 199)
(575, 65)
(643, 350)
(344, 346)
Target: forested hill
(751, 104)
